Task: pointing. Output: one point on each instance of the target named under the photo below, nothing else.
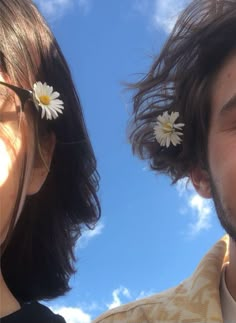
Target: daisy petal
(55, 95)
(43, 113)
(166, 131)
(48, 100)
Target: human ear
(201, 181)
(41, 164)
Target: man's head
(219, 181)
(195, 75)
(180, 80)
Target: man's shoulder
(145, 309)
(196, 299)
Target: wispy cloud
(123, 295)
(144, 294)
(202, 212)
(162, 14)
(87, 235)
(166, 13)
(54, 9)
(117, 294)
(199, 208)
(72, 314)
(84, 313)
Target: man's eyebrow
(229, 105)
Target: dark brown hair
(180, 80)
(39, 257)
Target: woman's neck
(8, 303)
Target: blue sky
(151, 234)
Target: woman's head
(50, 207)
(22, 172)
(12, 151)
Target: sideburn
(223, 214)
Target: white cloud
(166, 13)
(184, 186)
(202, 209)
(116, 295)
(85, 312)
(54, 9)
(122, 295)
(199, 208)
(87, 235)
(144, 294)
(162, 13)
(72, 314)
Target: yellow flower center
(168, 127)
(45, 99)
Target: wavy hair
(39, 257)
(180, 79)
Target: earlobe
(201, 182)
(42, 164)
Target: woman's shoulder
(33, 312)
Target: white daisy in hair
(166, 131)
(48, 100)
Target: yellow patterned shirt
(195, 300)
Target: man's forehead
(223, 88)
